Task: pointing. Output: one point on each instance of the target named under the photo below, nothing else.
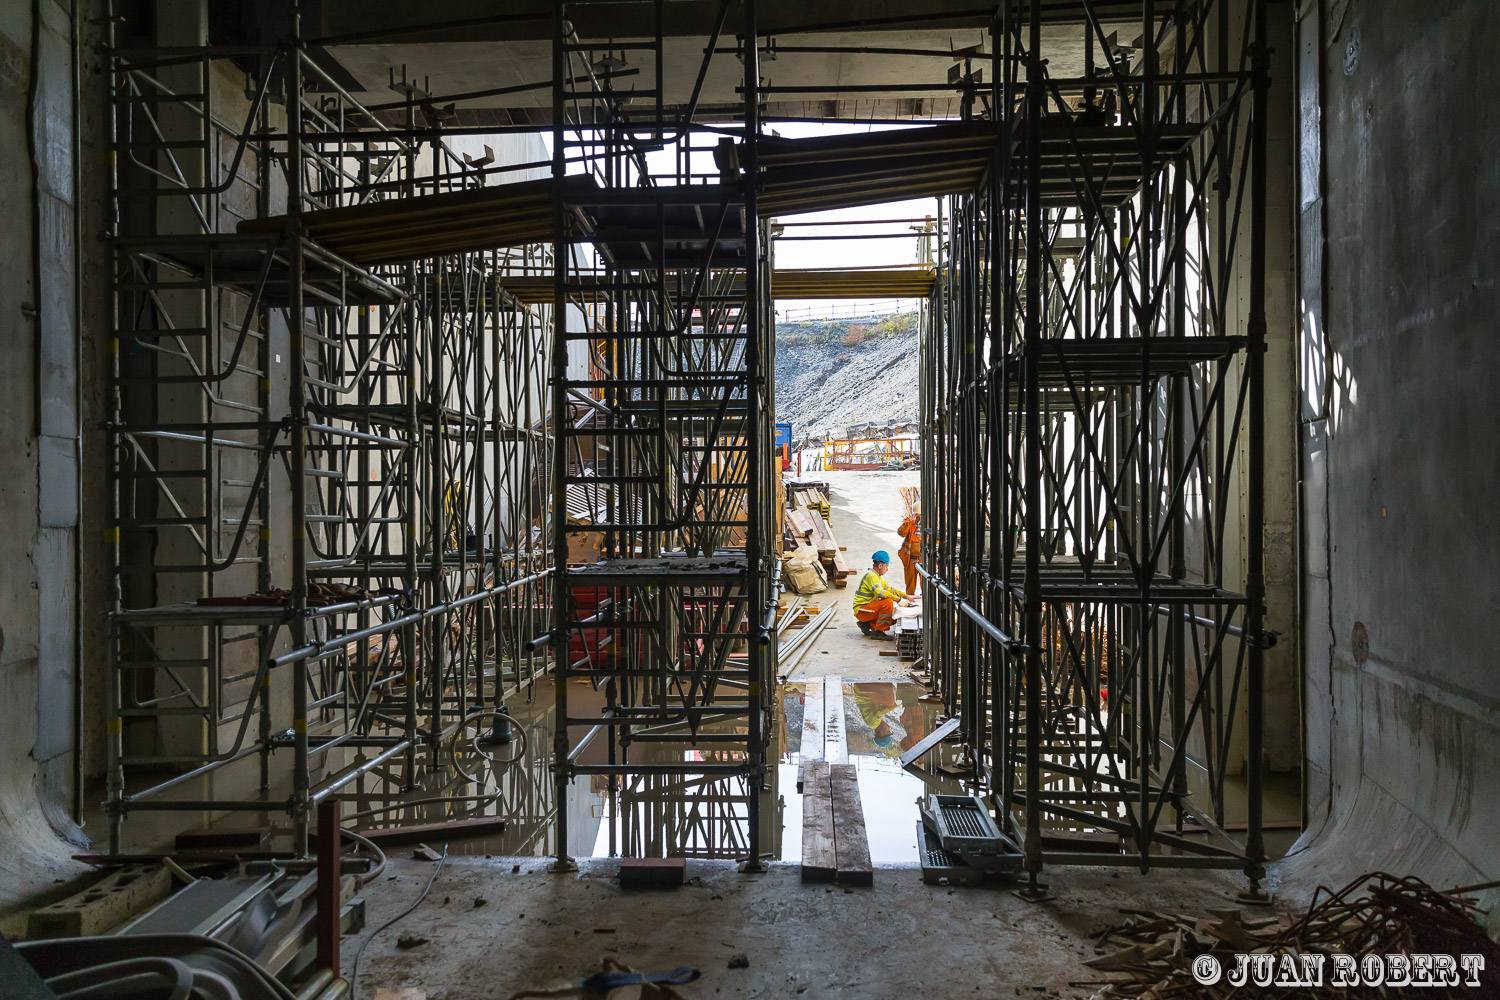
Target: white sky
(847, 251)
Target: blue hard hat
(881, 556)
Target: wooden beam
(819, 850)
(812, 728)
(850, 841)
(330, 887)
(437, 832)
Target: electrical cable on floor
(354, 974)
(452, 734)
(370, 845)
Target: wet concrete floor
(900, 939)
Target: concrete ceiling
(517, 53)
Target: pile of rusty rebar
(1151, 954)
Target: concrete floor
(866, 510)
(899, 939)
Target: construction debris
(1331, 951)
(118, 896)
(807, 526)
(652, 873)
(791, 650)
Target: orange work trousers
(910, 566)
(879, 614)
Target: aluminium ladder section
(661, 394)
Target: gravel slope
(823, 386)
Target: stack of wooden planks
(806, 520)
(813, 496)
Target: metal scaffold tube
(1089, 367)
(661, 409)
(327, 535)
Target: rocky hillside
(841, 372)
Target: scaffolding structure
(527, 428)
(663, 275)
(329, 534)
(1092, 423)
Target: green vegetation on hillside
(849, 333)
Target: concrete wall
(1400, 380)
(54, 337)
(39, 442)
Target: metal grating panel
(962, 824)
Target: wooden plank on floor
(835, 749)
(929, 741)
(851, 844)
(822, 537)
(438, 833)
(819, 851)
(812, 727)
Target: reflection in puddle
(882, 720)
(651, 815)
(662, 815)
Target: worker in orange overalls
(911, 549)
(875, 600)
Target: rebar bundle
(1372, 917)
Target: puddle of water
(647, 816)
(882, 720)
(705, 817)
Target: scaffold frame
(1090, 399)
(339, 557)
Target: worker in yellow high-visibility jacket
(875, 600)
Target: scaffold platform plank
(1121, 361)
(435, 225)
(256, 264)
(685, 570)
(788, 283)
